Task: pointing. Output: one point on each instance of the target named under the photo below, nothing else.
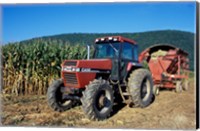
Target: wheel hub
(102, 101)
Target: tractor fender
(132, 66)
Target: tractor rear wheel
(98, 99)
(140, 84)
(156, 90)
(55, 97)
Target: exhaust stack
(88, 52)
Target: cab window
(127, 51)
(107, 50)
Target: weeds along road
(170, 110)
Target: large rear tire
(97, 100)
(54, 97)
(140, 84)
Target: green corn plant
(29, 68)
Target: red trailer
(169, 69)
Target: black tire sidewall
(53, 95)
(148, 100)
(135, 83)
(89, 99)
(109, 89)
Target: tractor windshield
(107, 50)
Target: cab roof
(114, 39)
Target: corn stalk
(30, 68)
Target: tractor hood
(78, 73)
(101, 64)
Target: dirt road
(170, 110)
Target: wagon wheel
(185, 85)
(178, 87)
(156, 90)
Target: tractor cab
(122, 51)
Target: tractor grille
(70, 63)
(70, 78)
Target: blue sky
(21, 22)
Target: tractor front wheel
(55, 97)
(97, 100)
(140, 84)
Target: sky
(21, 22)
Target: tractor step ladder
(124, 94)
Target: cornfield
(30, 68)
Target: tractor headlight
(115, 39)
(66, 68)
(96, 40)
(70, 69)
(73, 69)
(102, 39)
(78, 69)
(110, 38)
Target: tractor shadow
(153, 99)
(117, 107)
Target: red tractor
(113, 73)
